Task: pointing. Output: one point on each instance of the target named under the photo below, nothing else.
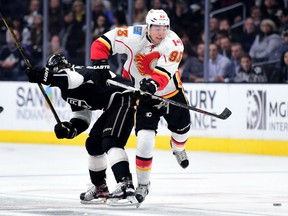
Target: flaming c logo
(144, 62)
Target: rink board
(258, 124)
(266, 147)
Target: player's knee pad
(94, 146)
(97, 163)
(145, 143)
(116, 155)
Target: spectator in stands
(225, 46)
(119, 19)
(56, 14)
(225, 25)
(158, 4)
(256, 16)
(266, 42)
(140, 12)
(249, 74)
(100, 28)
(100, 9)
(34, 9)
(282, 48)
(282, 15)
(213, 28)
(269, 9)
(188, 49)
(181, 17)
(219, 35)
(193, 67)
(236, 53)
(12, 64)
(220, 68)
(249, 34)
(55, 46)
(186, 42)
(37, 41)
(74, 36)
(78, 9)
(25, 33)
(282, 72)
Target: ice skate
(95, 194)
(182, 158)
(123, 195)
(141, 192)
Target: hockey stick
(223, 115)
(25, 57)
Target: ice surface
(47, 180)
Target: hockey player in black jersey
(85, 89)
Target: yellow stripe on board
(266, 147)
(38, 137)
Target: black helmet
(57, 60)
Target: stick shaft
(26, 59)
(224, 115)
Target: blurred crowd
(249, 49)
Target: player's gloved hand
(103, 67)
(65, 130)
(39, 75)
(147, 85)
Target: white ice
(47, 180)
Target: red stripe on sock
(143, 163)
(178, 144)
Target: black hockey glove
(65, 130)
(39, 75)
(147, 85)
(103, 67)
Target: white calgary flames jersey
(145, 60)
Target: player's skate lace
(182, 158)
(95, 192)
(141, 192)
(124, 189)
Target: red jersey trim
(131, 53)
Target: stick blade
(225, 114)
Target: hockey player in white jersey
(153, 56)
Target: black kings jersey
(82, 87)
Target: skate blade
(129, 201)
(94, 201)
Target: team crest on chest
(78, 102)
(144, 62)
